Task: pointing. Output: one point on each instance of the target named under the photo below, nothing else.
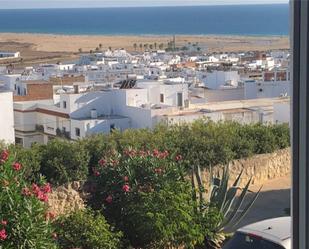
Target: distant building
(221, 79)
(9, 55)
(274, 84)
(6, 117)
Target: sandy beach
(49, 46)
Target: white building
(6, 117)
(9, 55)
(221, 79)
(276, 84)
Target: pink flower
(4, 156)
(102, 162)
(178, 158)
(109, 199)
(126, 188)
(26, 191)
(17, 166)
(46, 188)
(155, 153)
(42, 197)
(35, 188)
(4, 222)
(126, 179)
(3, 234)
(95, 171)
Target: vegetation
(141, 195)
(223, 197)
(145, 194)
(86, 230)
(24, 220)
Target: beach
(41, 47)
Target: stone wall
(65, 199)
(261, 167)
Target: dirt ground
(40, 48)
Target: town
(115, 89)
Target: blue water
(220, 20)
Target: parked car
(267, 234)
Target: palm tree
(155, 45)
(161, 45)
(80, 50)
(91, 51)
(110, 48)
(97, 49)
(145, 46)
(150, 46)
(100, 45)
(141, 46)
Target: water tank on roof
(94, 114)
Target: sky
(21, 4)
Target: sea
(252, 20)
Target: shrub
(23, 214)
(86, 230)
(144, 193)
(31, 160)
(64, 161)
(163, 218)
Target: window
(77, 132)
(64, 103)
(179, 99)
(19, 140)
(161, 97)
(245, 241)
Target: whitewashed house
(7, 133)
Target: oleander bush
(146, 195)
(24, 219)
(86, 229)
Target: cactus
(225, 198)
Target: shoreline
(151, 35)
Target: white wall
(268, 89)
(9, 81)
(282, 112)
(216, 79)
(7, 132)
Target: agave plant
(218, 193)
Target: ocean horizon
(240, 20)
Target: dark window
(64, 104)
(18, 140)
(246, 241)
(161, 97)
(77, 132)
(179, 99)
